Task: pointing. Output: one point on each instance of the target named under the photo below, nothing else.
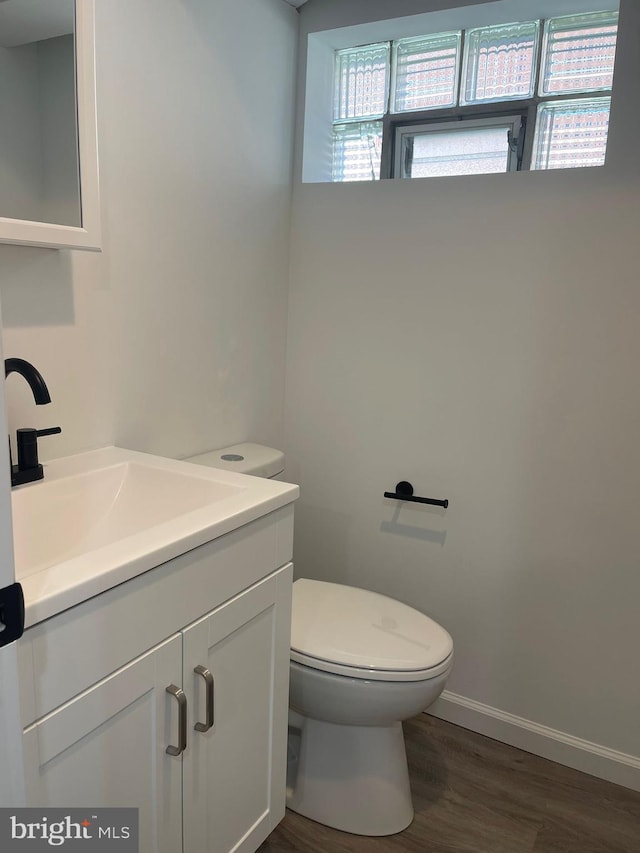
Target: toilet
(361, 663)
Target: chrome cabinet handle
(208, 679)
(178, 692)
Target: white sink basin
(73, 515)
(102, 517)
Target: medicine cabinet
(48, 140)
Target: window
(526, 95)
(446, 148)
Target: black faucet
(28, 468)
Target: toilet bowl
(361, 663)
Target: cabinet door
(235, 772)
(107, 747)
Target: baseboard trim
(600, 761)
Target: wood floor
(476, 795)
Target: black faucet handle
(27, 440)
(48, 431)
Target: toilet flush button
(232, 457)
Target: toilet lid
(361, 633)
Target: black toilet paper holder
(404, 492)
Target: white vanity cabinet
(233, 784)
(107, 747)
(105, 744)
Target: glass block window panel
(357, 150)
(426, 72)
(579, 53)
(361, 82)
(500, 62)
(570, 134)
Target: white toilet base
(353, 778)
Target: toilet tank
(247, 458)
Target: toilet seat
(371, 674)
(361, 634)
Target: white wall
(479, 337)
(173, 339)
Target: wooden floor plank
(476, 795)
